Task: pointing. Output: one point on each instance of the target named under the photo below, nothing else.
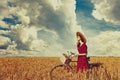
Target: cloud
(4, 11)
(107, 10)
(3, 8)
(4, 42)
(105, 44)
(38, 17)
(2, 23)
(26, 38)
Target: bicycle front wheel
(61, 72)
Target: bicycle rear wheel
(61, 72)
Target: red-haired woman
(82, 63)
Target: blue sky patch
(88, 22)
(12, 21)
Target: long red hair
(83, 39)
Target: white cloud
(106, 43)
(2, 23)
(107, 10)
(4, 41)
(22, 16)
(3, 9)
(56, 4)
(4, 32)
(25, 37)
(56, 17)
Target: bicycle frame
(66, 63)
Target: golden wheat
(39, 69)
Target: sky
(48, 27)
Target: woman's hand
(78, 38)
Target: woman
(82, 63)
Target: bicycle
(67, 68)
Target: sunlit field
(39, 69)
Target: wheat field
(38, 68)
